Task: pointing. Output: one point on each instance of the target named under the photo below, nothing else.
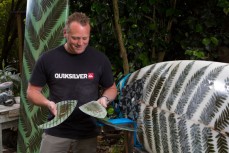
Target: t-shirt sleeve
(38, 76)
(107, 78)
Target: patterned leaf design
(194, 80)
(202, 91)
(183, 106)
(164, 135)
(173, 129)
(222, 143)
(159, 85)
(177, 87)
(95, 109)
(167, 85)
(44, 19)
(149, 91)
(207, 137)
(64, 110)
(196, 138)
(215, 102)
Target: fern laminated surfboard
(179, 106)
(45, 19)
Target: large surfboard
(179, 106)
(45, 20)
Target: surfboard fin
(64, 110)
(94, 108)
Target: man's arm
(35, 96)
(108, 95)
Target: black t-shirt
(73, 77)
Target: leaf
(64, 110)
(94, 108)
(214, 40)
(206, 41)
(199, 28)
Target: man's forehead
(79, 36)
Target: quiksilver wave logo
(89, 76)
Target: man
(72, 71)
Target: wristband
(106, 98)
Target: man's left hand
(103, 101)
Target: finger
(104, 104)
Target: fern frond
(177, 87)
(164, 134)
(29, 56)
(202, 91)
(32, 35)
(183, 133)
(196, 138)
(207, 138)
(34, 141)
(56, 38)
(21, 146)
(222, 144)
(195, 78)
(158, 86)
(37, 13)
(52, 20)
(25, 121)
(156, 131)
(223, 120)
(148, 125)
(167, 85)
(215, 102)
(40, 116)
(46, 4)
(152, 82)
(174, 138)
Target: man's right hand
(52, 107)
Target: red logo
(90, 76)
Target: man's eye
(75, 38)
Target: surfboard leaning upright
(45, 20)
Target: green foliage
(8, 73)
(9, 42)
(225, 5)
(110, 111)
(181, 29)
(118, 148)
(195, 54)
(4, 14)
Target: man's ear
(65, 32)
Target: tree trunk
(11, 29)
(7, 35)
(120, 38)
(20, 40)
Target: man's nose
(80, 42)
